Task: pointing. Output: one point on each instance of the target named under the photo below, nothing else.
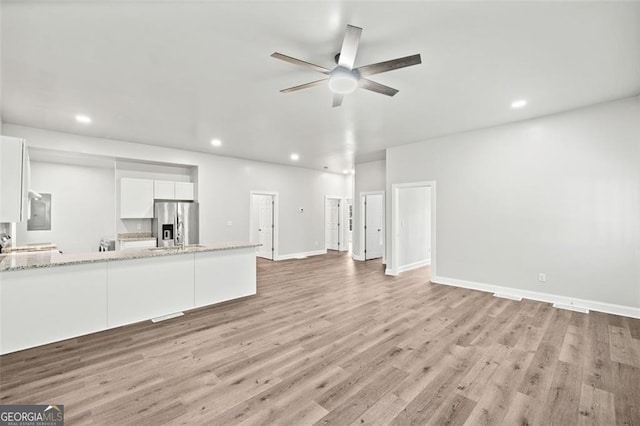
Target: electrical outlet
(229, 223)
(542, 277)
(139, 226)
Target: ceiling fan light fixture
(342, 81)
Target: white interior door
(263, 206)
(373, 226)
(332, 223)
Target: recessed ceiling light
(216, 142)
(84, 119)
(294, 157)
(519, 103)
(345, 171)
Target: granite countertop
(30, 247)
(136, 236)
(45, 259)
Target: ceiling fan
(344, 78)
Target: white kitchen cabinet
(137, 244)
(164, 190)
(46, 305)
(169, 190)
(14, 180)
(184, 191)
(141, 289)
(224, 275)
(136, 198)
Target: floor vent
(571, 308)
(507, 296)
(166, 317)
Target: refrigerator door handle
(180, 233)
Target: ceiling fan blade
(391, 65)
(304, 64)
(377, 87)
(349, 48)
(337, 100)
(303, 86)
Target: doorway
(263, 223)
(413, 226)
(332, 223)
(373, 225)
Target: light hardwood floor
(331, 341)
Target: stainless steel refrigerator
(175, 223)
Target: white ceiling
(178, 73)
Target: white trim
(301, 255)
(390, 272)
(414, 265)
(276, 226)
(579, 305)
(395, 225)
(362, 224)
(357, 257)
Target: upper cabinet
(164, 190)
(14, 180)
(137, 195)
(136, 198)
(184, 191)
(169, 190)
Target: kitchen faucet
(4, 240)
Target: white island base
(46, 304)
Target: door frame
(395, 224)
(274, 235)
(340, 221)
(363, 223)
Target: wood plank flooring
(330, 341)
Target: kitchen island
(47, 296)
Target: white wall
(1, 119)
(414, 218)
(224, 185)
(559, 195)
(82, 206)
(369, 176)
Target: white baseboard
(564, 302)
(357, 257)
(390, 272)
(414, 265)
(301, 255)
